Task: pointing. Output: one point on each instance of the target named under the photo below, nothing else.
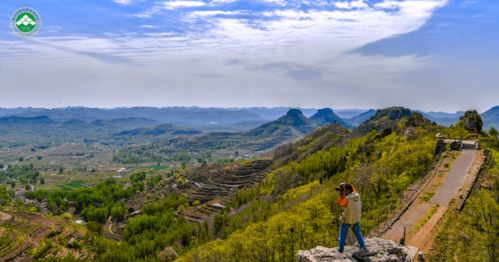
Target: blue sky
(425, 54)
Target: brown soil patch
(4, 216)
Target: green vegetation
(5, 195)
(73, 185)
(94, 204)
(26, 174)
(424, 219)
(157, 167)
(148, 234)
(292, 210)
(40, 251)
(427, 196)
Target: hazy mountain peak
(325, 111)
(294, 112)
(327, 116)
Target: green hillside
(292, 210)
(293, 207)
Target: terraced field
(211, 186)
(29, 235)
(205, 184)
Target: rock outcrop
(379, 250)
(472, 121)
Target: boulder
(378, 250)
(168, 254)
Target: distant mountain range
(284, 129)
(443, 118)
(350, 113)
(289, 127)
(239, 130)
(204, 118)
(216, 119)
(491, 118)
(16, 120)
(362, 117)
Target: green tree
(118, 211)
(493, 132)
(94, 227)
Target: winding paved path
(445, 189)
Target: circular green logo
(26, 22)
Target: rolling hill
(285, 129)
(16, 120)
(161, 130)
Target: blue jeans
(344, 232)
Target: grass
(427, 196)
(42, 250)
(73, 185)
(423, 220)
(15, 239)
(160, 167)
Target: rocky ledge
(379, 250)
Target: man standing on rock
(349, 200)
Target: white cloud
(208, 13)
(216, 2)
(275, 2)
(304, 56)
(389, 4)
(181, 4)
(351, 4)
(149, 12)
(123, 2)
(290, 35)
(149, 26)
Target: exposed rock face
(379, 250)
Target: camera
(340, 187)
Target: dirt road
(421, 218)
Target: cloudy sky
(425, 54)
